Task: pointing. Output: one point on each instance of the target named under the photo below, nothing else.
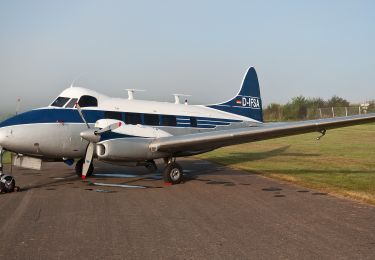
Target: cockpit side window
(71, 103)
(60, 102)
(88, 101)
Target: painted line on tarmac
(119, 175)
(116, 175)
(119, 185)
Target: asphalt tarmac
(218, 213)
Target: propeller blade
(109, 128)
(93, 136)
(88, 159)
(81, 115)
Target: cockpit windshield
(71, 103)
(84, 101)
(60, 102)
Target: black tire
(7, 184)
(173, 173)
(79, 166)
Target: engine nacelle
(127, 150)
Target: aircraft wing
(215, 139)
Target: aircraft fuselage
(53, 132)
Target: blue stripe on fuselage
(56, 115)
(52, 115)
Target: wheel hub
(175, 174)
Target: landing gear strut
(79, 166)
(173, 172)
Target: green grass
(6, 158)
(342, 162)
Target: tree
(273, 112)
(301, 108)
(296, 109)
(336, 101)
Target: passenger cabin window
(193, 122)
(113, 115)
(71, 103)
(169, 121)
(60, 102)
(151, 119)
(133, 118)
(88, 101)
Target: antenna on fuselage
(131, 92)
(18, 106)
(74, 80)
(177, 98)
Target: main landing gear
(173, 172)
(79, 166)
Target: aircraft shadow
(239, 157)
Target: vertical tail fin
(248, 102)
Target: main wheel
(79, 166)
(173, 173)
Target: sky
(201, 48)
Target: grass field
(6, 158)
(342, 162)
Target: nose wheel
(173, 173)
(7, 182)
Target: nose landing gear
(7, 182)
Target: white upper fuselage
(106, 103)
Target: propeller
(81, 115)
(93, 136)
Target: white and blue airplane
(84, 124)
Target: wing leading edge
(216, 139)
